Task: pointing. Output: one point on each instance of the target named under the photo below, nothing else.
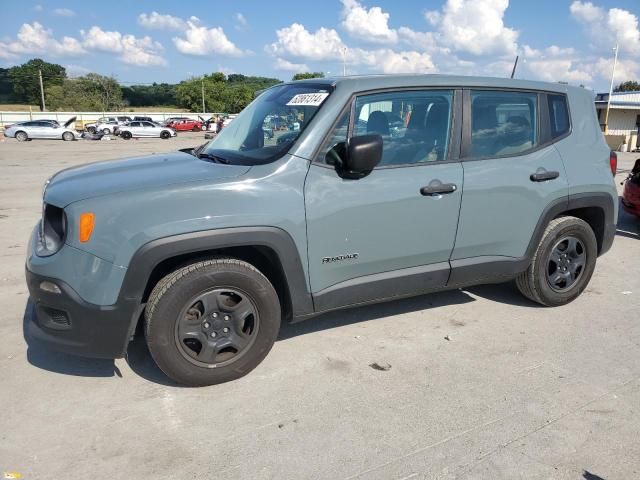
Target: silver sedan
(23, 131)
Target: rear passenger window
(415, 125)
(503, 123)
(558, 115)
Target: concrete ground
(483, 384)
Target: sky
(168, 41)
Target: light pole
(202, 85)
(344, 61)
(613, 74)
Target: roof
(366, 82)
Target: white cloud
(132, 50)
(297, 41)
(241, 21)
(76, 70)
(159, 21)
(475, 27)
(35, 39)
(288, 66)
(38, 8)
(200, 40)
(367, 24)
(64, 12)
(608, 27)
(554, 64)
(401, 62)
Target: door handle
(544, 175)
(438, 189)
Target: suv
(209, 249)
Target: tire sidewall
(21, 136)
(160, 330)
(126, 135)
(67, 136)
(580, 230)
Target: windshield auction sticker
(307, 99)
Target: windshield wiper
(214, 158)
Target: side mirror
(358, 157)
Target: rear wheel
(165, 135)
(563, 263)
(106, 131)
(126, 135)
(211, 321)
(67, 136)
(196, 129)
(22, 136)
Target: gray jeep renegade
(366, 189)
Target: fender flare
(151, 254)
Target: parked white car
(106, 125)
(42, 129)
(145, 129)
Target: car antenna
(515, 64)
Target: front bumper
(65, 322)
(631, 198)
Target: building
(624, 119)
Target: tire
(126, 135)
(21, 136)
(545, 282)
(91, 130)
(165, 135)
(106, 131)
(67, 136)
(196, 129)
(175, 306)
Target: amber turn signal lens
(87, 220)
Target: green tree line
(93, 92)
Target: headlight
(53, 229)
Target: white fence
(7, 118)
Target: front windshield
(268, 127)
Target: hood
(70, 121)
(113, 176)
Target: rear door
(512, 172)
(390, 233)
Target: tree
(91, 92)
(303, 76)
(629, 86)
(26, 82)
(222, 94)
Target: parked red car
(185, 125)
(631, 192)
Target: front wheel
(126, 135)
(22, 136)
(211, 321)
(67, 136)
(562, 264)
(106, 131)
(165, 135)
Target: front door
(390, 233)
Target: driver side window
(415, 126)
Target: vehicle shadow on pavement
(628, 225)
(40, 356)
(341, 318)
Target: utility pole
(613, 74)
(202, 83)
(44, 107)
(344, 61)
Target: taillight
(613, 162)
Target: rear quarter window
(558, 115)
